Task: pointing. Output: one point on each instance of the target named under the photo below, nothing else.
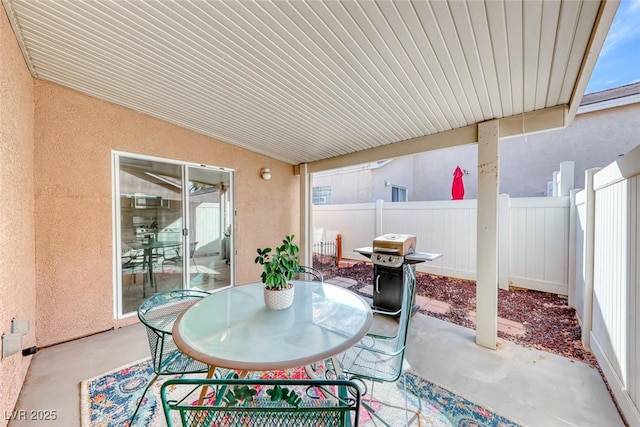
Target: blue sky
(619, 61)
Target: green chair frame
(333, 403)
(173, 255)
(158, 313)
(133, 260)
(308, 273)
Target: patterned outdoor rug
(110, 399)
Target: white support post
(487, 235)
(379, 206)
(503, 241)
(306, 221)
(589, 233)
(555, 192)
(565, 178)
(571, 274)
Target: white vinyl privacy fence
(533, 240)
(607, 275)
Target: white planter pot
(279, 299)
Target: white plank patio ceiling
(302, 81)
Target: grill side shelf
(422, 257)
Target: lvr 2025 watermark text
(30, 414)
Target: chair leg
(372, 412)
(406, 405)
(203, 393)
(144, 284)
(195, 265)
(141, 399)
(418, 410)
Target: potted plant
(278, 269)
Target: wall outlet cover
(11, 344)
(20, 326)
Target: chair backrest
(407, 307)
(236, 402)
(308, 273)
(398, 339)
(158, 313)
(132, 257)
(380, 356)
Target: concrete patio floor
(531, 387)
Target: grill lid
(397, 244)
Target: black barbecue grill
(390, 254)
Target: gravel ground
(550, 324)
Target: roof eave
(604, 19)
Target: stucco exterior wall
(526, 164)
(425, 175)
(593, 140)
(74, 138)
(434, 172)
(368, 184)
(17, 265)
(398, 173)
(347, 187)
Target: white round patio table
(233, 329)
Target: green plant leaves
(278, 267)
(239, 395)
(243, 395)
(282, 393)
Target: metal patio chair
(380, 357)
(174, 256)
(158, 313)
(251, 403)
(133, 262)
(308, 273)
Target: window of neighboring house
(398, 194)
(322, 195)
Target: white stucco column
(487, 235)
(305, 237)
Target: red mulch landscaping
(550, 324)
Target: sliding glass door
(174, 228)
(209, 214)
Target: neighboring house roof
(610, 98)
(610, 94)
(354, 168)
(307, 81)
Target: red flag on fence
(457, 188)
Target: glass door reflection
(151, 226)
